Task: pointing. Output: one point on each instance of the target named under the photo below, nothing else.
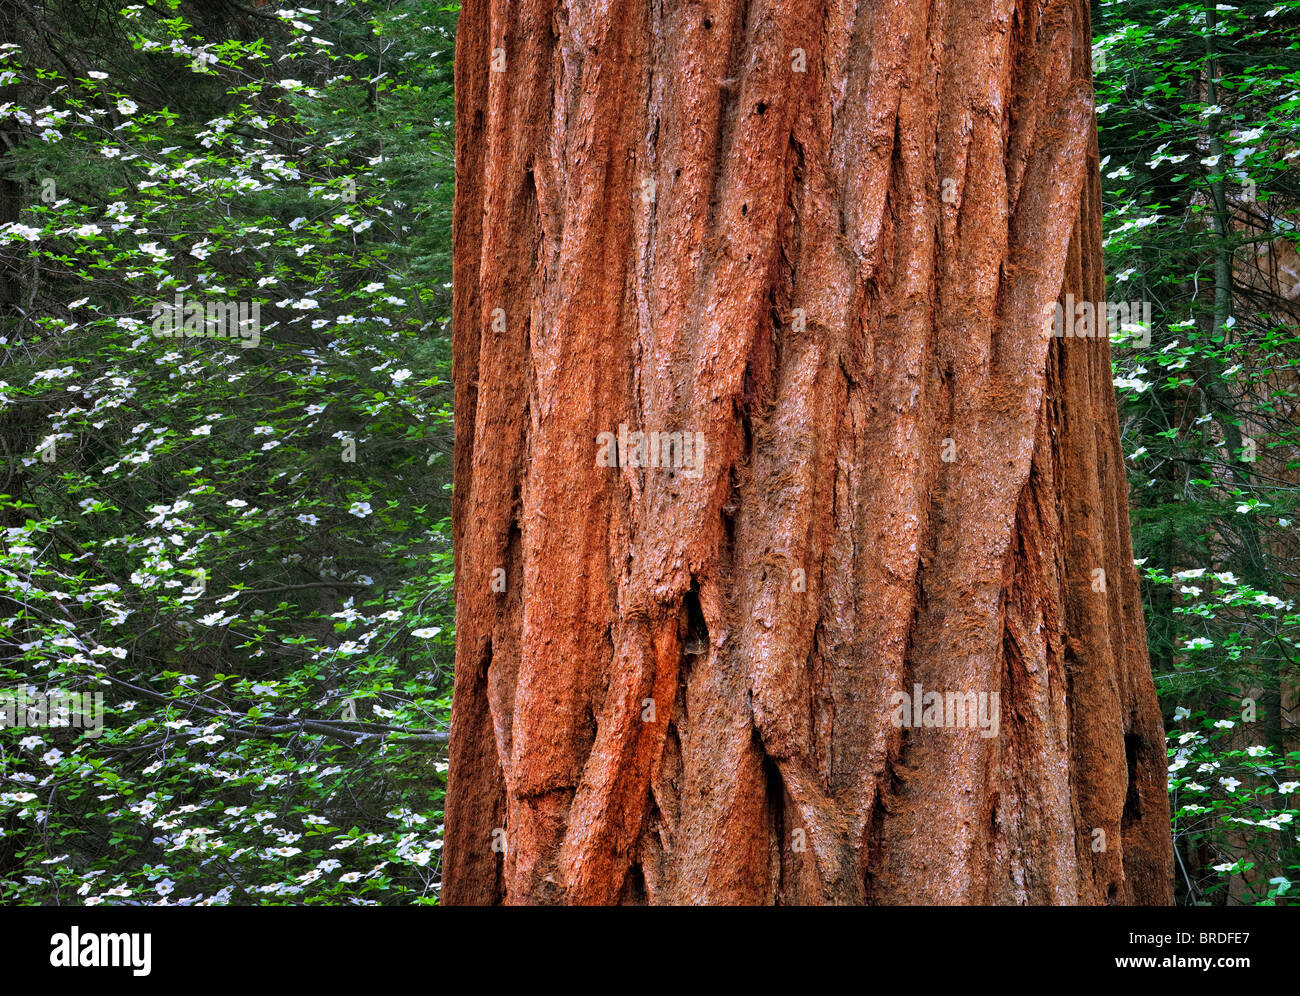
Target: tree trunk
(822, 237)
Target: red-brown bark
(837, 276)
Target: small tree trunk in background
(822, 237)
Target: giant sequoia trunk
(819, 238)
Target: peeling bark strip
(822, 237)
